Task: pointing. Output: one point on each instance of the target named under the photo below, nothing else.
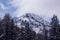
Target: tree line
(10, 31)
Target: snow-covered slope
(36, 22)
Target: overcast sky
(45, 8)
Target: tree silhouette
(8, 24)
(54, 28)
(26, 33)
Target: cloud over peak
(41, 7)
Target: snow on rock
(36, 22)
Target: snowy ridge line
(35, 22)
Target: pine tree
(9, 25)
(54, 28)
(26, 33)
(39, 36)
(58, 32)
(45, 31)
(1, 28)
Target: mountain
(36, 22)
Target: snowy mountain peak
(36, 22)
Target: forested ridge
(10, 31)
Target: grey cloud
(41, 7)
